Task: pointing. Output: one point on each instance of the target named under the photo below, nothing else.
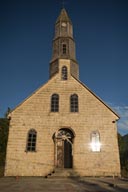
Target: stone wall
(35, 113)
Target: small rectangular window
(64, 73)
(64, 48)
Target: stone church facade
(63, 124)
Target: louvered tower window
(64, 73)
(64, 49)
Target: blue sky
(101, 36)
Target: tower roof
(63, 16)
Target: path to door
(40, 184)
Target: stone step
(61, 173)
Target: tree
(123, 149)
(4, 127)
(7, 112)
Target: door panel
(67, 155)
(60, 154)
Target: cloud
(123, 125)
(122, 111)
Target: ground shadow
(99, 185)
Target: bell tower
(63, 45)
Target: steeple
(63, 45)
(63, 17)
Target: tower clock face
(64, 24)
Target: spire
(63, 17)
(63, 45)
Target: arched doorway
(64, 148)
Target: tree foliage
(4, 127)
(123, 149)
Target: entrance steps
(63, 173)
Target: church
(63, 125)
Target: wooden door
(63, 148)
(64, 154)
(67, 154)
(60, 153)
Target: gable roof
(97, 97)
(34, 92)
(43, 86)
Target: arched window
(64, 73)
(55, 103)
(64, 48)
(74, 103)
(31, 140)
(95, 141)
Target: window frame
(64, 48)
(95, 142)
(74, 103)
(31, 140)
(64, 73)
(55, 103)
